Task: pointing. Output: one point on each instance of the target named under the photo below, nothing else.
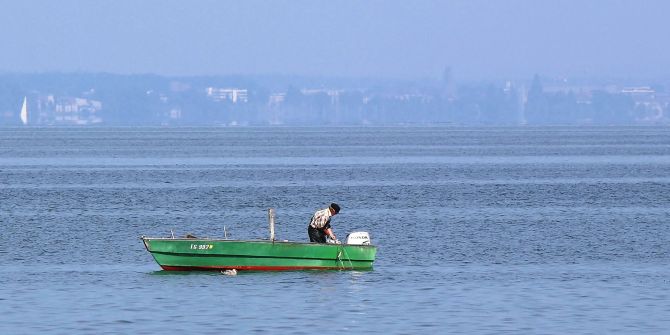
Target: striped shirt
(320, 219)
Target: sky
(351, 38)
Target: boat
(202, 254)
(24, 111)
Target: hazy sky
(406, 39)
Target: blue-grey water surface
(554, 230)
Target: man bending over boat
(319, 227)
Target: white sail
(24, 111)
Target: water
(480, 230)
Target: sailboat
(24, 111)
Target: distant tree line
(150, 99)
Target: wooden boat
(184, 254)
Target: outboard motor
(358, 238)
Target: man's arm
(330, 233)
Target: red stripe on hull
(248, 268)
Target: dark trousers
(316, 235)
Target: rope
(351, 265)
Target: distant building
(334, 95)
(175, 114)
(276, 99)
(76, 111)
(234, 95)
(638, 90)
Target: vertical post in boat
(271, 218)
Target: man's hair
(335, 207)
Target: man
(319, 226)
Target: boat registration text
(202, 246)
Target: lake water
(556, 230)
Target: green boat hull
(175, 254)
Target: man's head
(334, 208)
